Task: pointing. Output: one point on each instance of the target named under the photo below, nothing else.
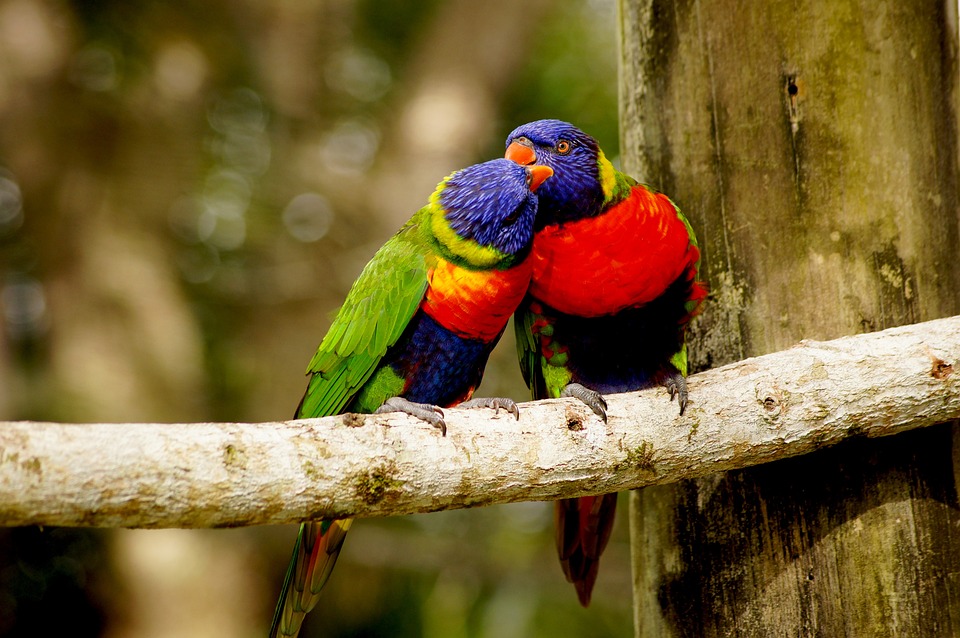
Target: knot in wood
(352, 420)
(771, 400)
(940, 369)
(574, 420)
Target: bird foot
(495, 403)
(676, 385)
(593, 399)
(423, 411)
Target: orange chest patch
(475, 304)
(625, 257)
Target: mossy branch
(232, 474)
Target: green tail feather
(314, 555)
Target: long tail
(314, 555)
(583, 529)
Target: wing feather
(528, 350)
(375, 313)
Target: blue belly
(440, 367)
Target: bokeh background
(187, 191)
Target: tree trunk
(813, 145)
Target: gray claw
(494, 403)
(423, 411)
(593, 399)
(676, 385)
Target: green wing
(528, 351)
(377, 310)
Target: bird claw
(494, 403)
(676, 385)
(423, 411)
(593, 399)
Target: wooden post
(813, 145)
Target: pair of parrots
(601, 273)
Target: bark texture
(813, 145)
(229, 474)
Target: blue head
(490, 209)
(576, 190)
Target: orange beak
(521, 154)
(538, 173)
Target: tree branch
(231, 474)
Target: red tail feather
(583, 529)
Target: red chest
(625, 257)
(475, 304)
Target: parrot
(616, 280)
(416, 329)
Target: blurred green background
(187, 191)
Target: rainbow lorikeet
(615, 282)
(416, 329)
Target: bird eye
(563, 147)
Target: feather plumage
(615, 282)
